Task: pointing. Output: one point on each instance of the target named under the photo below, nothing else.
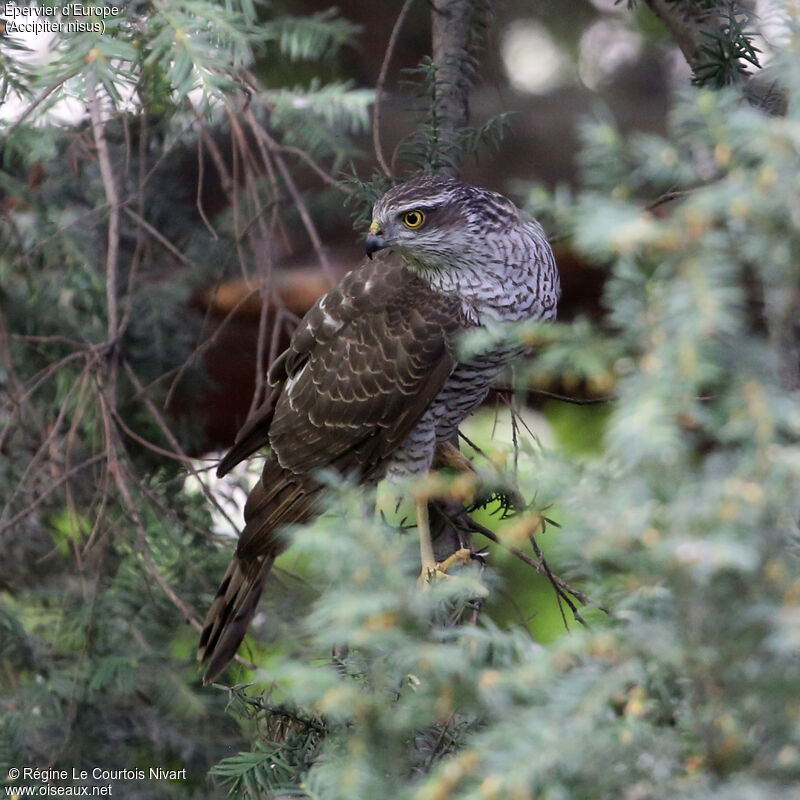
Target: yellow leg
(430, 568)
(425, 544)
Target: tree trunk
(456, 27)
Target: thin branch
(667, 197)
(576, 401)
(199, 198)
(158, 236)
(291, 186)
(33, 505)
(6, 357)
(261, 366)
(309, 161)
(161, 422)
(167, 150)
(112, 196)
(376, 108)
(116, 470)
(201, 348)
(146, 443)
(34, 105)
(44, 448)
(561, 595)
(136, 259)
(533, 562)
(152, 567)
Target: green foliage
(317, 36)
(318, 118)
(728, 52)
(677, 498)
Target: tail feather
(279, 498)
(230, 614)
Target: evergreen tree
(676, 530)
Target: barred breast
(517, 280)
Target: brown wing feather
(252, 437)
(359, 373)
(354, 394)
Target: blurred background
(177, 188)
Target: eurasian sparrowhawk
(371, 380)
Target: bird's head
(439, 223)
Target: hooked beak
(375, 240)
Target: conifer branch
(716, 41)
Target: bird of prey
(372, 381)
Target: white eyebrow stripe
(425, 206)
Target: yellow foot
(439, 569)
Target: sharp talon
(461, 556)
(441, 568)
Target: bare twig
(152, 567)
(140, 239)
(199, 199)
(291, 186)
(533, 562)
(44, 448)
(576, 401)
(438, 743)
(112, 196)
(146, 443)
(158, 236)
(115, 468)
(309, 161)
(5, 356)
(178, 450)
(33, 505)
(667, 197)
(376, 108)
(203, 346)
(34, 105)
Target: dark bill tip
(373, 244)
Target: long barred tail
(279, 498)
(229, 615)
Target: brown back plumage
(362, 368)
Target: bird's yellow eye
(413, 219)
